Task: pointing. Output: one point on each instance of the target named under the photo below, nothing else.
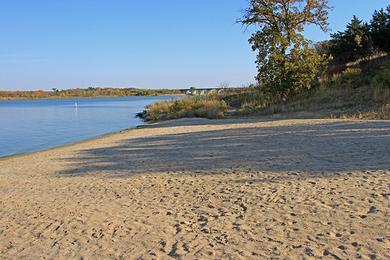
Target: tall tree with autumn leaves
(286, 61)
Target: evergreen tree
(354, 43)
(380, 29)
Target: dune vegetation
(361, 91)
(208, 107)
(347, 76)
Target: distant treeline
(89, 92)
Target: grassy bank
(361, 91)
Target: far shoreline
(51, 98)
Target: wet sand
(238, 189)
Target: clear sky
(135, 43)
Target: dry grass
(380, 114)
(211, 108)
(359, 92)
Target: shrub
(211, 108)
(381, 82)
(157, 110)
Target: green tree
(380, 29)
(286, 61)
(354, 43)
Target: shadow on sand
(309, 149)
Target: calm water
(31, 125)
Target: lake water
(32, 125)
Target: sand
(199, 189)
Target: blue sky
(135, 43)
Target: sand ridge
(239, 189)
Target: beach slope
(247, 189)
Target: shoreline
(173, 121)
(96, 138)
(73, 143)
(99, 137)
(51, 98)
(168, 122)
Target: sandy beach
(201, 189)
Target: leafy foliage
(286, 62)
